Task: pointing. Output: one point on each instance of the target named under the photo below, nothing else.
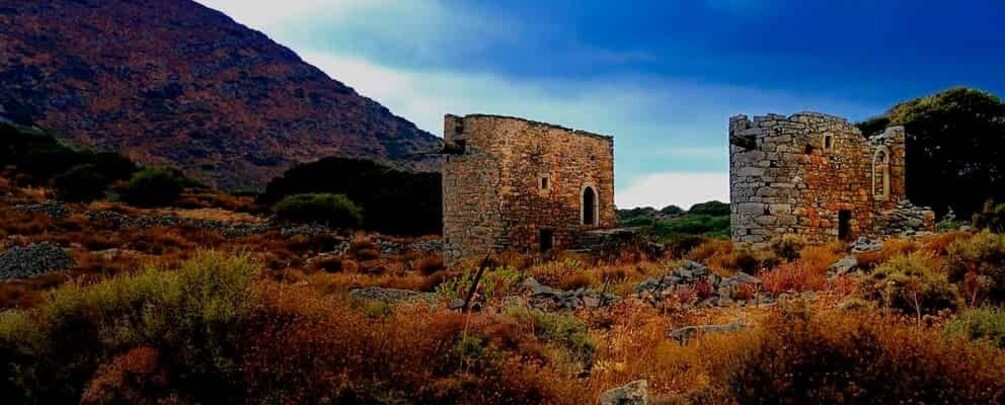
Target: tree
(672, 210)
(334, 210)
(955, 148)
(152, 187)
(395, 202)
(81, 183)
(710, 208)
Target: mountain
(174, 82)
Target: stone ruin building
(818, 177)
(510, 184)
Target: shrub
(563, 330)
(192, 313)
(672, 210)
(835, 356)
(979, 264)
(787, 246)
(332, 209)
(494, 284)
(794, 277)
(750, 260)
(984, 323)
(912, 284)
(81, 183)
(992, 217)
(153, 187)
(395, 202)
(714, 208)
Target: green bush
(494, 284)
(992, 217)
(787, 246)
(332, 209)
(81, 183)
(672, 210)
(153, 187)
(913, 284)
(978, 263)
(194, 313)
(715, 208)
(395, 202)
(984, 323)
(562, 330)
(692, 224)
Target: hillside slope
(174, 82)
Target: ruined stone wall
(796, 174)
(494, 193)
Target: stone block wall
(812, 175)
(516, 178)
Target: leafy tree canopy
(955, 148)
(394, 201)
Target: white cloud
(682, 189)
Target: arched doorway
(589, 206)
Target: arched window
(589, 206)
(881, 174)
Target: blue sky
(663, 77)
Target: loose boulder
(633, 393)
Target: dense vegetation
(241, 327)
(393, 201)
(334, 210)
(670, 224)
(955, 148)
(40, 158)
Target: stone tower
(523, 186)
(816, 176)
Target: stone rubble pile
(33, 260)
(306, 229)
(906, 220)
(390, 248)
(546, 298)
(695, 277)
(633, 393)
(392, 295)
(685, 334)
(864, 244)
(227, 229)
(849, 263)
(52, 208)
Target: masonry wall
(493, 197)
(794, 175)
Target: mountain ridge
(175, 82)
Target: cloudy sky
(663, 77)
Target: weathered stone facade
(523, 186)
(816, 176)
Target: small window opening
(545, 184)
(828, 142)
(546, 239)
(844, 225)
(881, 175)
(809, 149)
